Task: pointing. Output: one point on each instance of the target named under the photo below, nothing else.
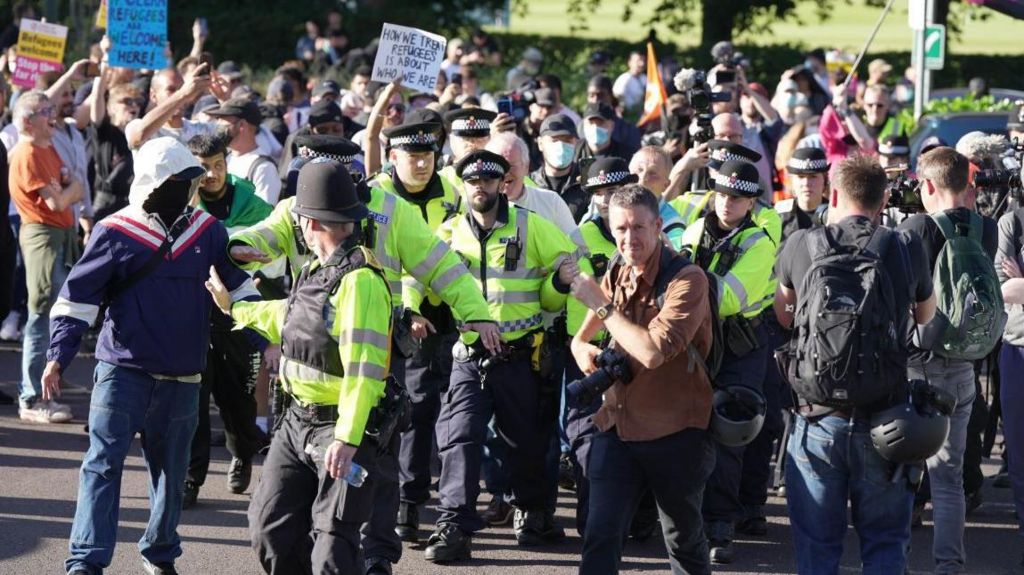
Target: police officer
(696, 204)
(806, 181)
(468, 129)
(413, 150)
(335, 331)
(740, 255)
(400, 240)
(523, 264)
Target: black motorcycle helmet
(737, 414)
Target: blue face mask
(559, 155)
(596, 135)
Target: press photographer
(653, 429)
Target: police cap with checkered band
(807, 161)
(469, 122)
(722, 151)
(608, 172)
(327, 146)
(738, 178)
(419, 137)
(481, 164)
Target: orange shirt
(32, 168)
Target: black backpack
(849, 348)
(670, 265)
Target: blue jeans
(946, 468)
(126, 401)
(832, 461)
(37, 336)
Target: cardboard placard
(40, 50)
(138, 33)
(410, 54)
(101, 15)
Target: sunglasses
(397, 108)
(47, 111)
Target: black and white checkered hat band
(735, 183)
(723, 155)
(415, 139)
(887, 150)
(471, 125)
(308, 153)
(807, 165)
(605, 179)
(482, 168)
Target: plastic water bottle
(356, 474)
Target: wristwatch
(604, 311)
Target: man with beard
(241, 117)
(523, 264)
(151, 354)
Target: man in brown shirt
(653, 429)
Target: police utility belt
(510, 350)
(740, 335)
(391, 414)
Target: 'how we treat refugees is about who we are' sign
(410, 55)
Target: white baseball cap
(158, 160)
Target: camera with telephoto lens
(1007, 178)
(612, 366)
(904, 191)
(694, 83)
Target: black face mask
(169, 200)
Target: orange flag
(655, 97)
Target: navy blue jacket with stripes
(160, 325)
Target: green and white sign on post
(934, 46)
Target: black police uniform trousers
(232, 364)
(721, 496)
(757, 457)
(301, 521)
(510, 394)
(676, 468)
(379, 539)
(426, 374)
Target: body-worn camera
(612, 366)
(905, 193)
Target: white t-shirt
(263, 172)
(548, 205)
(186, 132)
(630, 90)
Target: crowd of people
(367, 280)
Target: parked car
(951, 127)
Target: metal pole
(920, 97)
(928, 74)
(867, 44)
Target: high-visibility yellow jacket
(358, 320)
(516, 291)
(744, 286)
(695, 205)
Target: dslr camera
(1008, 177)
(612, 366)
(694, 83)
(904, 191)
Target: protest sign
(101, 16)
(409, 54)
(40, 50)
(138, 33)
